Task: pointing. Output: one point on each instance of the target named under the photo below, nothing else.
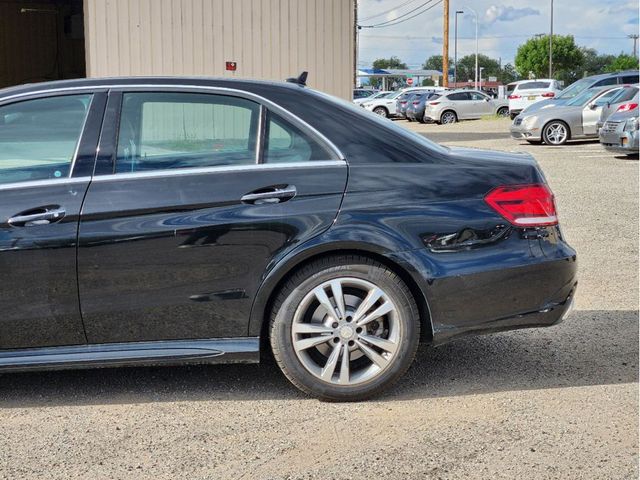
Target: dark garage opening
(41, 40)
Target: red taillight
(514, 97)
(434, 103)
(524, 205)
(416, 103)
(403, 103)
(548, 94)
(627, 107)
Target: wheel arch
(382, 107)
(448, 109)
(260, 312)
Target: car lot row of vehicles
(582, 111)
(439, 105)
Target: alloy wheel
(345, 331)
(448, 117)
(556, 133)
(380, 111)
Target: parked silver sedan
(463, 105)
(619, 133)
(576, 119)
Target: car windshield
(576, 88)
(380, 95)
(584, 97)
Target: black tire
(300, 286)
(513, 116)
(547, 133)
(503, 112)
(448, 116)
(535, 142)
(383, 112)
(409, 119)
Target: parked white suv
(528, 92)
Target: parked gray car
(629, 77)
(619, 133)
(576, 119)
(625, 96)
(417, 105)
(463, 105)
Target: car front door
(461, 103)
(593, 110)
(479, 105)
(195, 194)
(47, 149)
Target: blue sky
(503, 25)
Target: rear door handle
(37, 216)
(270, 195)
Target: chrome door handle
(42, 216)
(271, 195)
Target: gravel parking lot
(556, 403)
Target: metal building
(263, 39)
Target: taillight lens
(548, 94)
(524, 205)
(403, 103)
(627, 107)
(514, 97)
(434, 103)
(416, 103)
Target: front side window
(607, 81)
(39, 138)
(184, 130)
(478, 96)
(284, 142)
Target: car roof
(109, 82)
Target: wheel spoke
(336, 290)
(372, 297)
(321, 295)
(383, 309)
(382, 343)
(314, 328)
(330, 366)
(344, 366)
(374, 356)
(306, 343)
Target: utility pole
(634, 37)
(445, 45)
(551, 44)
(356, 29)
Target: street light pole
(475, 14)
(551, 44)
(455, 49)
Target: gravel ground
(556, 403)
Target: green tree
(508, 74)
(434, 62)
(532, 58)
(427, 82)
(594, 63)
(467, 67)
(623, 62)
(383, 63)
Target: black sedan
(165, 220)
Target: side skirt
(220, 350)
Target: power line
(390, 10)
(400, 19)
(411, 37)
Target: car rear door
(47, 149)
(195, 193)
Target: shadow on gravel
(590, 348)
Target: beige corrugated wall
(269, 39)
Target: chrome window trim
(180, 87)
(44, 183)
(221, 169)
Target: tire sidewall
(384, 113)
(407, 315)
(546, 128)
(448, 112)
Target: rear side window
(182, 130)
(630, 79)
(533, 85)
(284, 142)
(39, 138)
(456, 97)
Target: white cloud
(504, 13)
